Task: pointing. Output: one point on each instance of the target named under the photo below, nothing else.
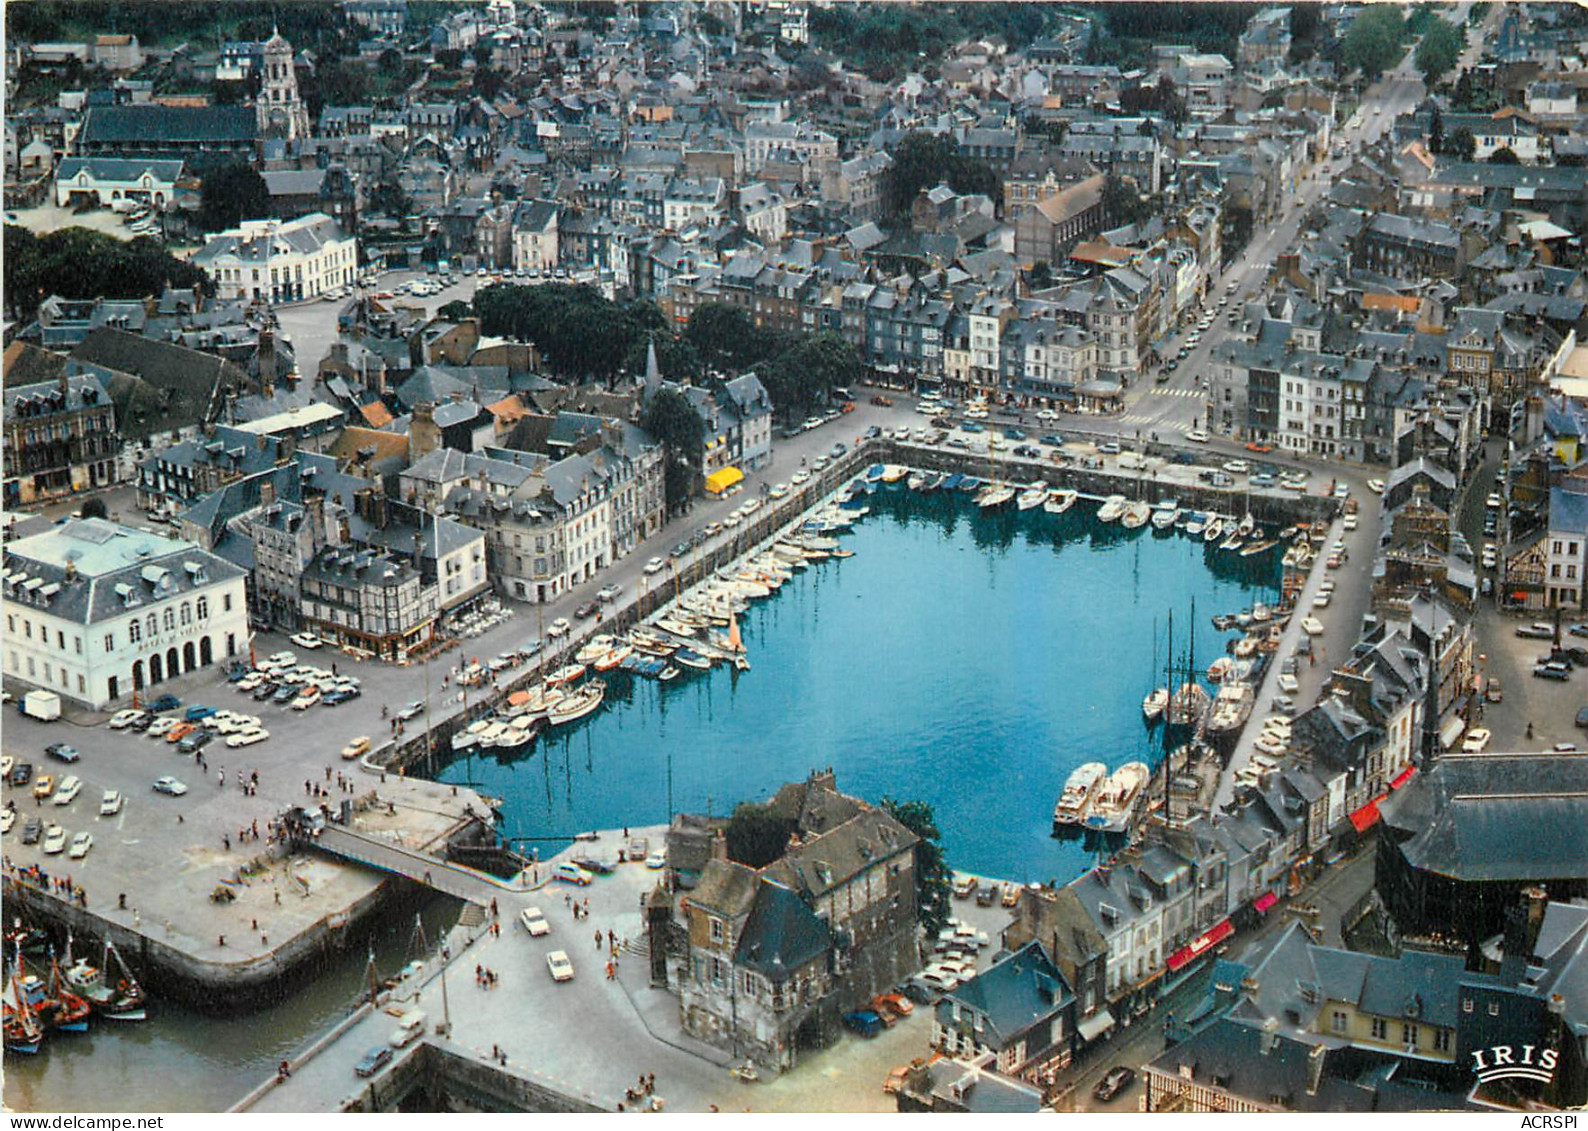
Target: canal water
(966, 659)
(179, 1060)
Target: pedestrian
(612, 937)
(227, 841)
(598, 940)
(223, 940)
(278, 898)
(220, 777)
(308, 789)
(328, 773)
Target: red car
(1263, 449)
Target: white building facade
(96, 611)
(280, 261)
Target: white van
(410, 1027)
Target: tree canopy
(756, 835)
(670, 418)
(581, 334)
(1438, 51)
(923, 160)
(933, 884)
(1373, 41)
(230, 194)
(79, 263)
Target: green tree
(933, 885)
(756, 835)
(725, 338)
(78, 263)
(1438, 50)
(455, 311)
(1373, 42)
(230, 194)
(1461, 144)
(1122, 204)
(923, 160)
(1505, 155)
(673, 421)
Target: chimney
(719, 844)
(267, 361)
(1315, 1068)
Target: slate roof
(48, 399)
(781, 934)
(116, 568)
(1496, 817)
(182, 386)
(1011, 996)
(119, 168)
(1568, 511)
(726, 888)
(169, 124)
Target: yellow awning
(719, 481)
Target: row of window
(49, 677)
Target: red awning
(1265, 901)
(1201, 944)
(1365, 818)
(1403, 777)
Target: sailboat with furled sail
(23, 1033)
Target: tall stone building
(281, 110)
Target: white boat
(1152, 707)
(1258, 547)
(1218, 668)
(519, 734)
(1117, 797)
(1188, 704)
(1195, 527)
(1247, 523)
(613, 658)
(578, 705)
(917, 481)
(1164, 515)
(677, 628)
(995, 496)
(1112, 508)
(1135, 515)
(1233, 542)
(1060, 500)
(892, 473)
(1214, 530)
(597, 647)
(492, 734)
(1033, 496)
(1079, 789)
(470, 735)
(565, 675)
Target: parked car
(1552, 669)
(1538, 630)
(110, 803)
(167, 702)
(1114, 1081)
(587, 610)
(866, 1022)
(534, 921)
(32, 830)
(609, 592)
(373, 1061)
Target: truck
(42, 705)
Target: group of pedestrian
(580, 911)
(485, 978)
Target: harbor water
(963, 658)
(181, 1060)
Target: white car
(561, 969)
(1197, 436)
(81, 843)
(1494, 501)
(308, 697)
(1477, 741)
(158, 728)
(558, 627)
(1321, 601)
(1312, 626)
(1237, 466)
(655, 565)
(534, 921)
(284, 659)
(657, 859)
(1342, 491)
(609, 593)
(55, 840)
(67, 791)
(1349, 522)
(121, 720)
(1047, 414)
(1376, 486)
(307, 640)
(247, 737)
(8, 817)
(1289, 684)
(110, 804)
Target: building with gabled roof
(96, 611)
(767, 960)
(1020, 1009)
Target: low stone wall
(451, 1079)
(203, 984)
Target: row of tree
(799, 370)
(581, 335)
(79, 263)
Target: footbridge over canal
(385, 855)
